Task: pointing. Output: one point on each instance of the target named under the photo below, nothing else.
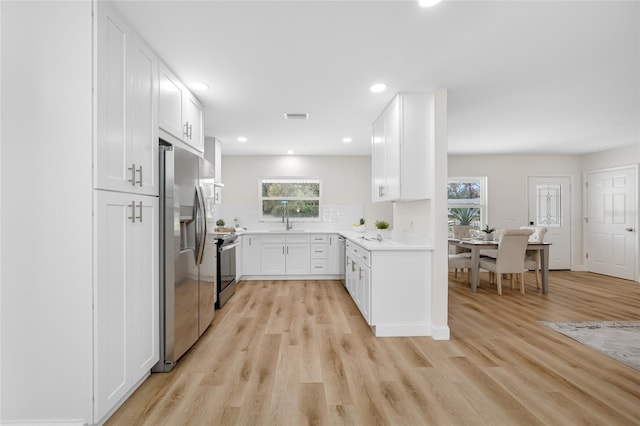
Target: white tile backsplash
(333, 216)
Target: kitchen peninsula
(389, 280)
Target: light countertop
(366, 240)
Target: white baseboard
(402, 330)
(440, 332)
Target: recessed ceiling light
(428, 3)
(197, 85)
(289, 152)
(242, 139)
(347, 140)
(378, 87)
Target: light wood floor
(299, 353)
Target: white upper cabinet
(401, 144)
(213, 153)
(170, 103)
(193, 122)
(126, 155)
(179, 112)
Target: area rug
(618, 339)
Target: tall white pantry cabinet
(79, 211)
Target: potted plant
(488, 232)
(220, 223)
(381, 224)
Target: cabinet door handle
(139, 171)
(287, 249)
(282, 249)
(190, 130)
(185, 132)
(133, 174)
(133, 212)
(140, 207)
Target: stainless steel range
(226, 267)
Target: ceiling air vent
(296, 116)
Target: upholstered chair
(462, 262)
(532, 257)
(510, 257)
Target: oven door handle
(229, 247)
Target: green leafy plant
(463, 216)
(381, 224)
(488, 230)
(220, 222)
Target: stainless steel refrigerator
(187, 259)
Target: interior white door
(611, 222)
(550, 206)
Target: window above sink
(299, 198)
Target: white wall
(612, 158)
(346, 181)
(46, 212)
(507, 181)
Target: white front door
(611, 222)
(549, 206)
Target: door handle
(628, 229)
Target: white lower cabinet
(391, 289)
(272, 257)
(294, 254)
(358, 278)
(285, 254)
(126, 295)
(251, 255)
(297, 258)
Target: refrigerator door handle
(202, 217)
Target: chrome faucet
(285, 217)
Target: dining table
(476, 245)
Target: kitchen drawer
(319, 251)
(273, 238)
(319, 266)
(319, 238)
(294, 238)
(364, 256)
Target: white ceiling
(523, 77)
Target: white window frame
(290, 179)
(481, 204)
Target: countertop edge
(372, 244)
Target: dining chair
(460, 231)
(509, 257)
(461, 262)
(532, 257)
